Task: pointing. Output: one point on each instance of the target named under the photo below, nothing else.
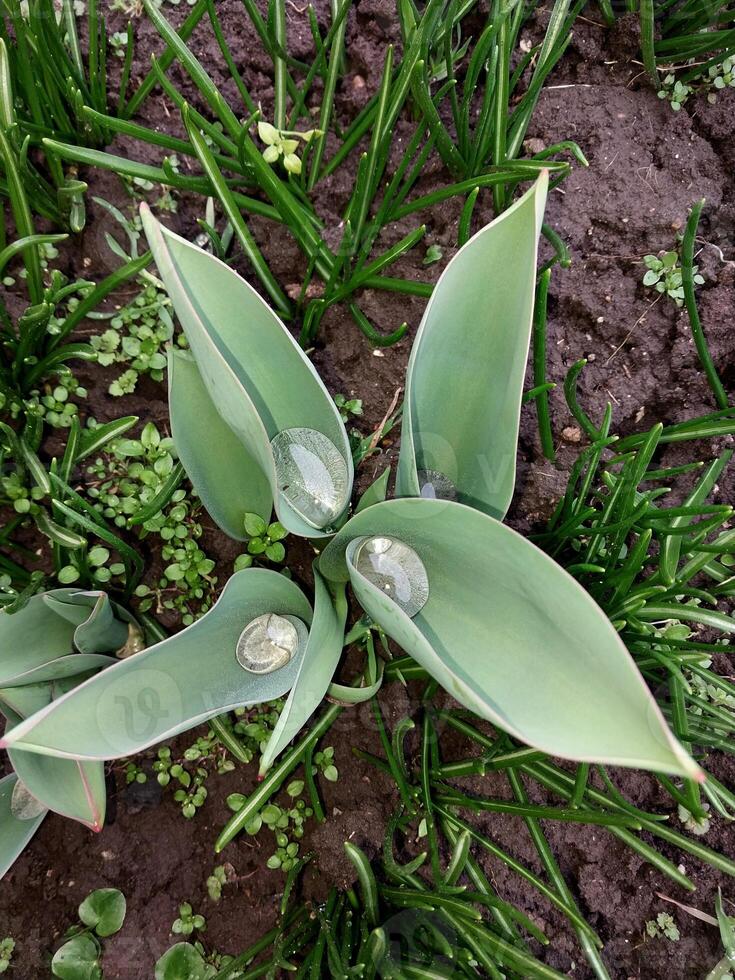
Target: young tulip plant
(49, 647)
(501, 626)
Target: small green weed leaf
(255, 526)
(257, 376)
(183, 962)
(104, 911)
(480, 314)
(14, 833)
(77, 960)
(319, 663)
(227, 477)
(512, 636)
(175, 684)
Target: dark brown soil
(647, 166)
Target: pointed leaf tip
(261, 399)
(483, 304)
(512, 636)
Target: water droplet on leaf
(269, 642)
(23, 805)
(134, 643)
(436, 486)
(312, 475)
(395, 569)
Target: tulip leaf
(468, 362)
(69, 787)
(30, 639)
(512, 636)
(19, 702)
(257, 376)
(354, 695)
(319, 663)
(106, 627)
(228, 479)
(172, 686)
(376, 492)
(38, 641)
(14, 833)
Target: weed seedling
(695, 825)
(349, 408)
(215, 882)
(286, 825)
(665, 275)
(137, 336)
(663, 926)
(265, 539)
(721, 76)
(7, 947)
(188, 921)
(675, 92)
(134, 774)
(324, 763)
(101, 914)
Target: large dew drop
(436, 486)
(23, 805)
(396, 570)
(269, 642)
(312, 475)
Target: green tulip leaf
(468, 362)
(257, 376)
(39, 641)
(183, 962)
(20, 702)
(319, 663)
(77, 960)
(15, 833)
(69, 787)
(105, 628)
(72, 789)
(172, 686)
(228, 479)
(512, 636)
(354, 695)
(104, 911)
(376, 492)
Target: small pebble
(571, 434)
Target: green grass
(44, 80)
(687, 34)
(222, 139)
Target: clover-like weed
(137, 336)
(188, 921)
(7, 947)
(265, 540)
(665, 276)
(101, 914)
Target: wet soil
(647, 166)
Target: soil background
(647, 167)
